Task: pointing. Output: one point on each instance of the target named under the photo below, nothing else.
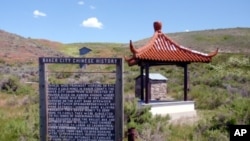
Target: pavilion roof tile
(162, 48)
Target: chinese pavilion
(161, 50)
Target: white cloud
(92, 22)
(92, 7)
(80, 2)
(187, 30)
(38, 13)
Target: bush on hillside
(207, 97)
(9, 84)
(13, 85)
(235, 112)
(148, 127)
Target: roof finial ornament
(157, 26)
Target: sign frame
(43, 89)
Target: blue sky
(70, 21)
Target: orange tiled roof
(162, 48)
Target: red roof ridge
(159, 33)
(212, 54)
(157, 27)
(145, 47)
(160, 47)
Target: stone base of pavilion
(175, 109)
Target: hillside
(220, 89)
(235, 40)
(17, 48)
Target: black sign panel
(81, 112)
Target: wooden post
(132, 135)
(119, 118)
(188, 81)
(185, 81)
(43, 101)
(142, 82)
(147, 82)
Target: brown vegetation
(15, 48)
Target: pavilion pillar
(147, 82)
(185, 81)
(142, 82)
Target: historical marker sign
(81, 111)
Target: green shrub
(216, 126)
(134, 116)
(10, 84)
(204, 131)
(215, 135)
(235, 112)
(207, 97)
(149, 127)
(23, 126)
(12, 129)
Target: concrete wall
(175, 110)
